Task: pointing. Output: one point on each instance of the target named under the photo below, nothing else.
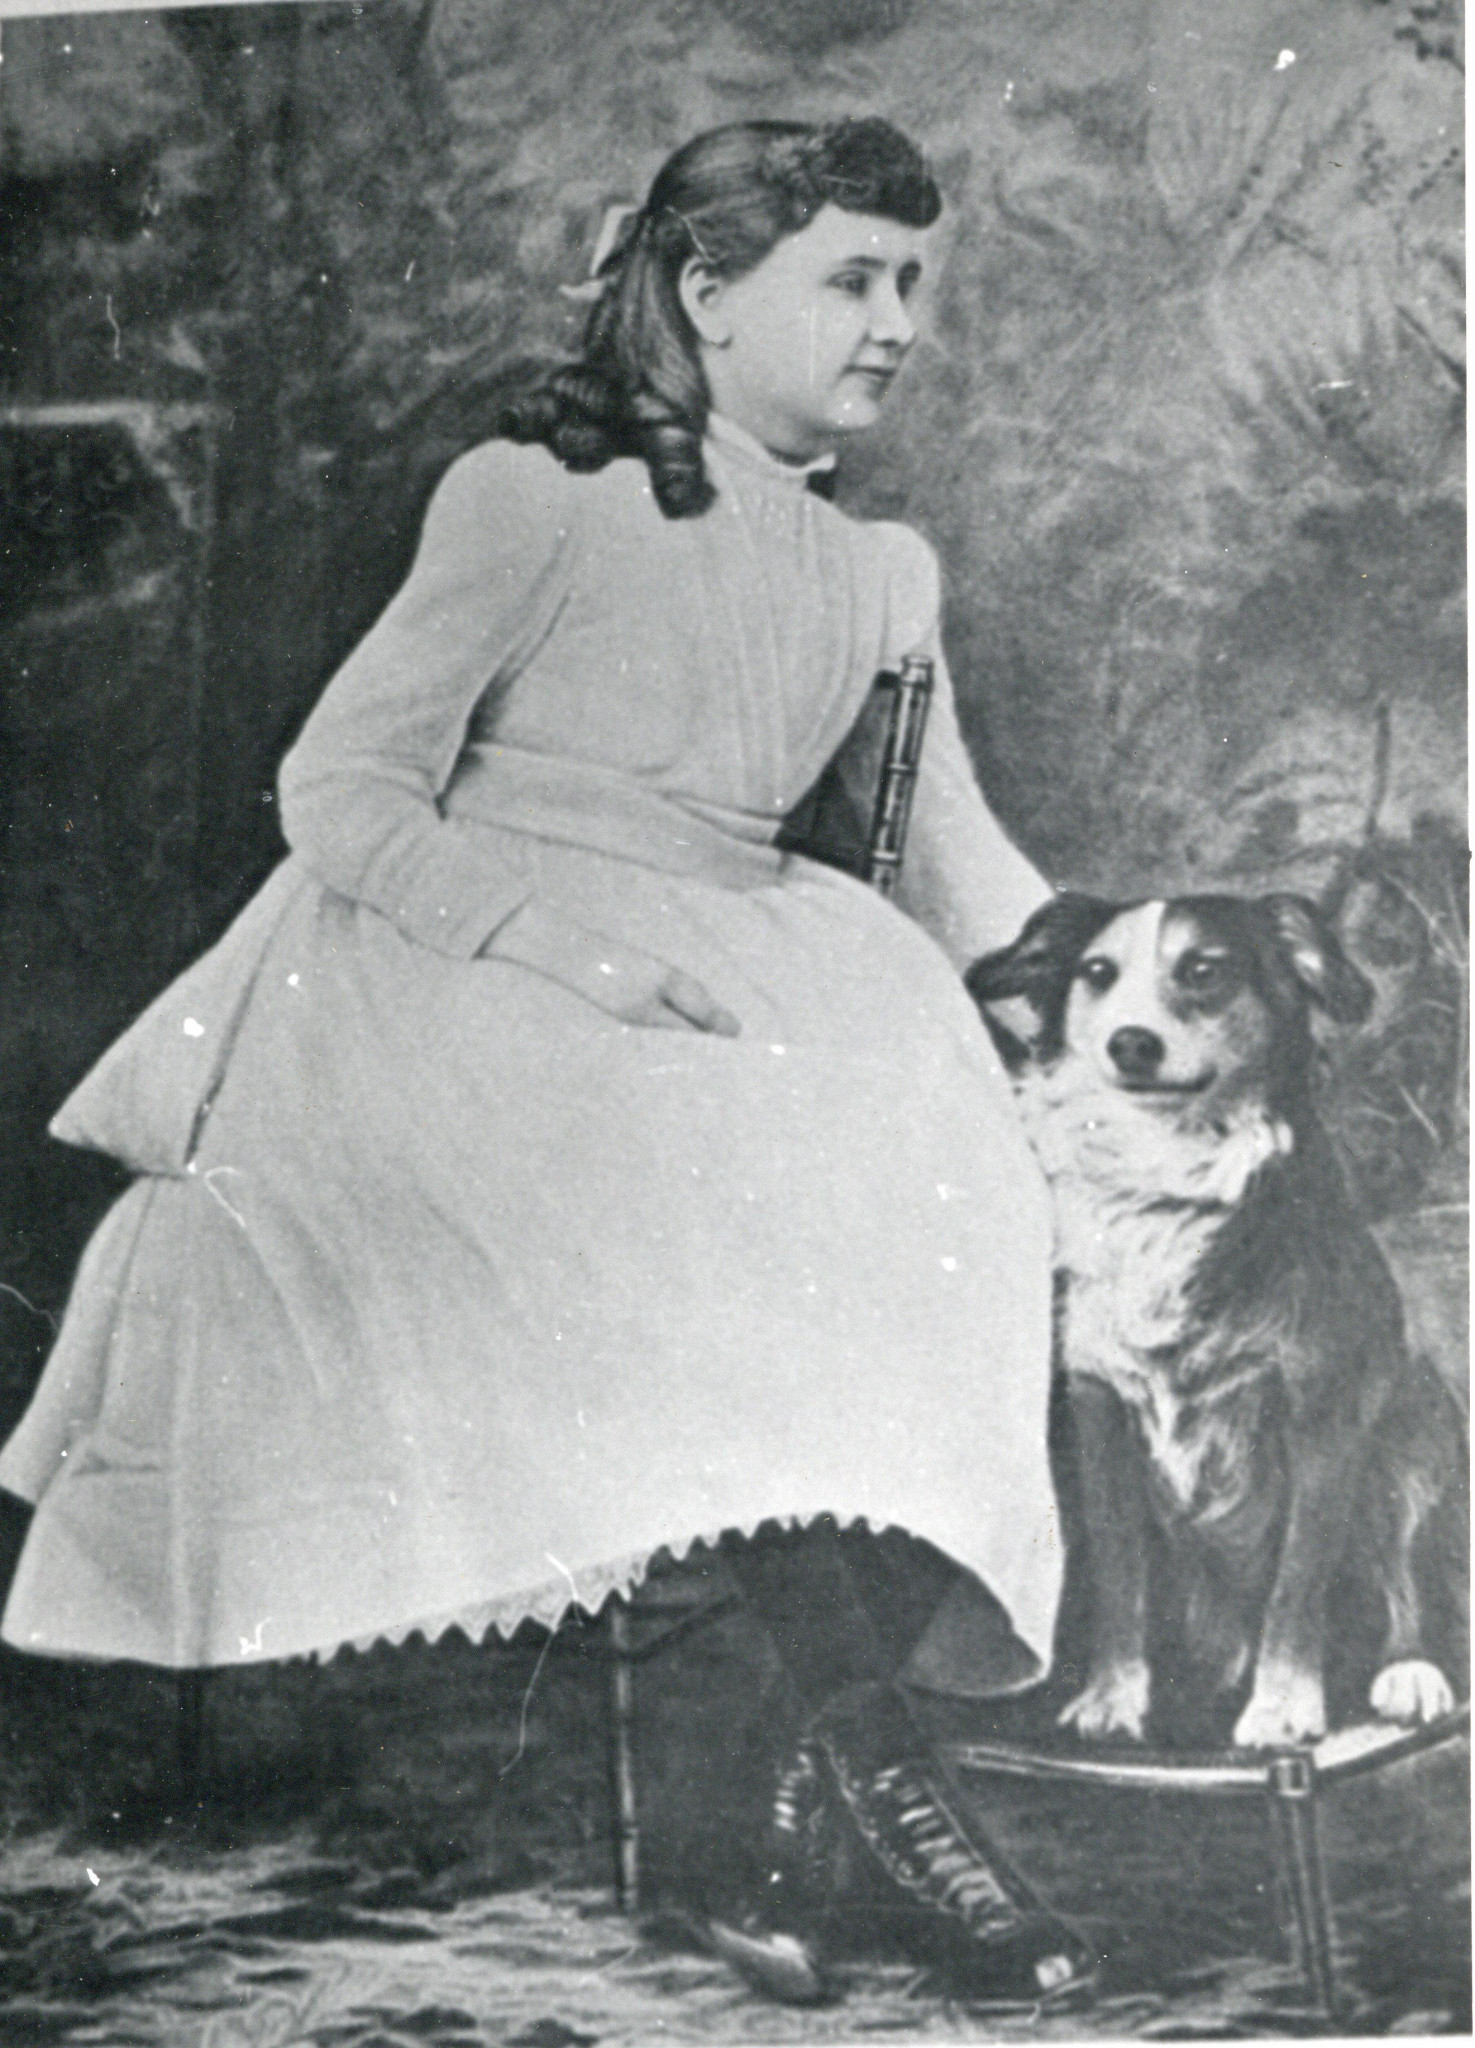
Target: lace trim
(550, 1603)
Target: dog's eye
(1202, 971)
(1097, 974)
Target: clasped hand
(630, 984)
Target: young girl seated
(546, 1168)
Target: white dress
(445, 1297)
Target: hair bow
(612, 229)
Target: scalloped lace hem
(552, 1602)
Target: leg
(866, 1771)
(1117, 1692)
(941, 1891)
(622, 1758)
(1408, 1685)
(843, 1607)
(1417, 1543)
(1287, 1703)
(807, 1588)
(1292, 1787)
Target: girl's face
(803, 349)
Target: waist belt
(578, 803)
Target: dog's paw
(1285, 1708)
(1411, 1690)
(1114, 1703)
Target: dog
(1238, 1387)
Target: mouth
(1170, 1090)
(878, 377)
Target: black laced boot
(778, 1946)
(864, 1777)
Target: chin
(854, 415)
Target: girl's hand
(634, 986)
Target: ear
(703, 293)
(1044, 953)
(1037, 971)
(1313, 953)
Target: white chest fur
(1139, 1195)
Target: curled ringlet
(727, 197)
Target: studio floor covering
(412, 1847)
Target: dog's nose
(1138, 1053)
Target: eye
(1203, 973)
(1098, 973)
(907, 279)
(855, 282)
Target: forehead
(1160, 933)
(1132, 938)
(835, 237)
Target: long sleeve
(963, 879)
(360, 790)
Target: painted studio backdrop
(1185, 426)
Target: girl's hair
(729, 197)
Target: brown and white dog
(1231, 1338)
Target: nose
(1138, 1053)
(890, 321)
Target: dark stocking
(841, 1607)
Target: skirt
(465, 1298)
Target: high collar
(739, 446)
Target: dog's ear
(1045, 952)
(1036, 973)
(1311, 950)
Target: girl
(546, 1168)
